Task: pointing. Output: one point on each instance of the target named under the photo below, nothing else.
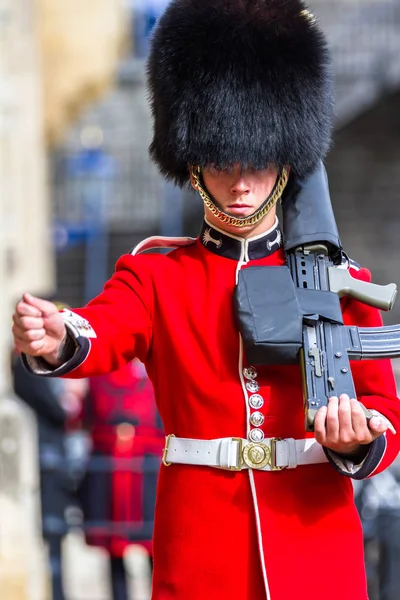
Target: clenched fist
(343, 428)
(38, 328)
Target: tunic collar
(237, 248)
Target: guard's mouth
(239, 208)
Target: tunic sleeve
(376, 389)
(113, 328)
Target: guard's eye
(218, 169)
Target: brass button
(256, 401)
(256, 435)
(250, 373)
(252, 386)
(257, 419)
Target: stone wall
(25, 264)
(364, 175)
(25, 251)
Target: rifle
(292, 314)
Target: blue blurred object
(144, 16)
(91, 174)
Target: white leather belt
(235, 454)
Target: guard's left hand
(343, 427)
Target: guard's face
(239, 192)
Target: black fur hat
(239, 81)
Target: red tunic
(220, 535)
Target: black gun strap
(308, 216)
(271, 311)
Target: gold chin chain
(241, 221)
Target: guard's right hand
(38, 329)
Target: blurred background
(77, 189)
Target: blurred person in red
(249, 504)
(119, 488)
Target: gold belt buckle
(164, 457)
(258, 455)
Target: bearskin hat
(239, 81)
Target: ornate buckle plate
(258, 455)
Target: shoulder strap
(162, 242)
